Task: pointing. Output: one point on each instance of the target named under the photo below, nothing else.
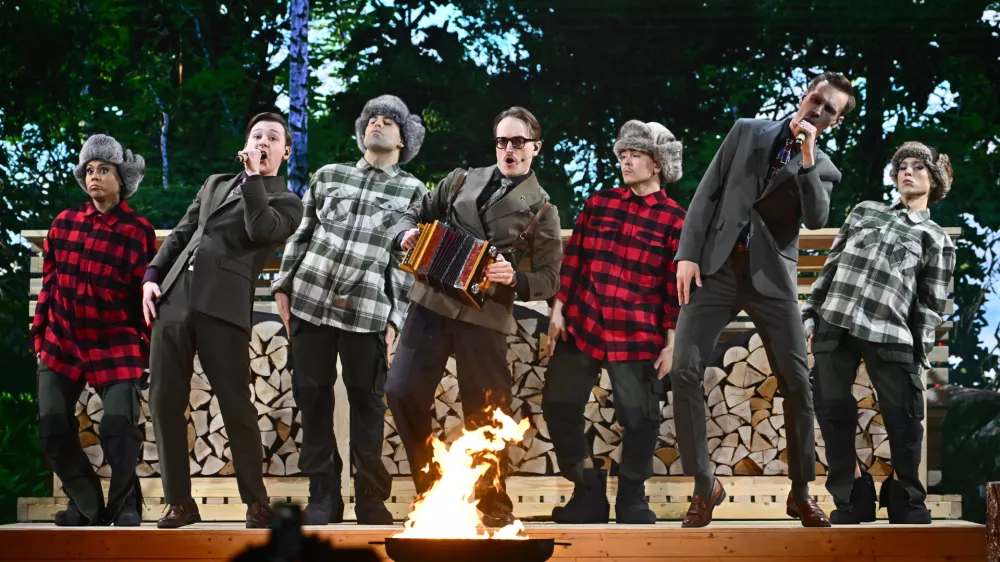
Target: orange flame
(448, 509)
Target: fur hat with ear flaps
(657, 141)
(411, 128)
(938, 164)
(131, 167)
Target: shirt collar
(652, 199)
(914, 216)
(498, 175)
(391, 170)
(111, 217)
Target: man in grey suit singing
(739, 245)
(198, 294)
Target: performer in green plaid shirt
(880, 297)
(340, 292)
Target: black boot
(631, 506)
(589, 502)
(325, 503)
(896, 500)
(862, 503)
(71, 517)
(369, 508)
(130, 513)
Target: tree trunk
(993, 522)
(298, 110)
(164, 129)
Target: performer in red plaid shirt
(88, 328)
(617, 306)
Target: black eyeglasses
(518, 142)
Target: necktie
(505, 185)
(782, 158)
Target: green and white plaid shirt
(339, 268)
(886, 278)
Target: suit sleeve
(815, 185)
(269, 221)
(703, 203)
(432, 206)
(181, 234)
(145, 251)
(298, 243)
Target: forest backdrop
(176, 81)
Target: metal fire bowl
(470, 550)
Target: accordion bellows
(451, 261)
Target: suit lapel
(514, 201)
(221, 197)
(765, 142)
(465, 203)
(792, 167)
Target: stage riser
(534, 497)
(236, 511)
(952, 541)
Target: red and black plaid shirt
(88, 321)
(619, 281)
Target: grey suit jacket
(234, 236)
(500, 225)
(726, 200)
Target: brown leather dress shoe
(180, 515)
(700, 512)
(810, 513)
(258, 516)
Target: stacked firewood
(744, 411)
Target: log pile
(746, 426)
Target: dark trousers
(779, 324)
(178, 333)
(58, 431)
(900, 399)
(570, 378)
(426, 341)
(314, 354)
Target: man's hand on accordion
(410, 239)
(500, 271)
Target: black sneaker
(71, 517)
(862, 503)
(369, 508)
(896, 500)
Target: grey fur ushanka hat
(411, 128)
(938, 164)
(657, 141)
(131, 167)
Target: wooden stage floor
(745, 541)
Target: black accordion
(451, 261)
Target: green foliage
(23, 472)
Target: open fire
(448, 509)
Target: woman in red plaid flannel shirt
(88, 328)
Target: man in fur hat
(616, 307)
(504, 204)
(739, 245)
(880, 297)
(341, 293)
(198, 295)
(88, 329)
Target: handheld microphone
(800, 138)
(241, 158)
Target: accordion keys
(451, 261)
